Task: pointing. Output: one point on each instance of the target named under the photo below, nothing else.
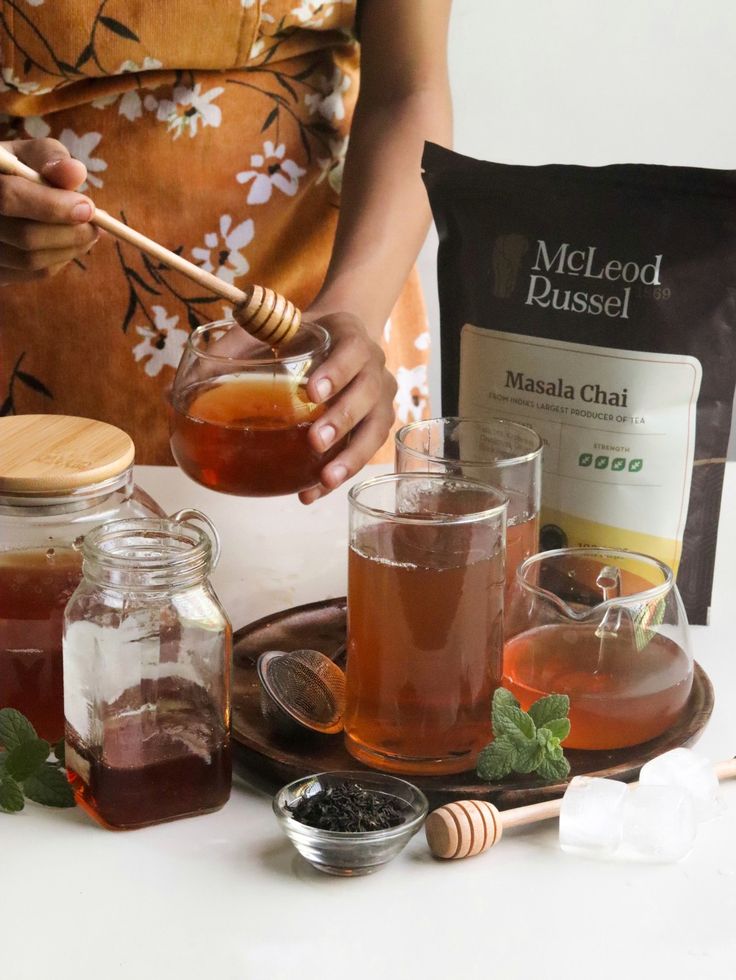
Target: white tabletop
(225, 896)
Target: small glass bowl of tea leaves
(350, 823)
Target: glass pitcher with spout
(607, 628)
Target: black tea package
(598, 305)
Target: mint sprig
(526, 741)
(25, 772)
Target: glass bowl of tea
(241, 414)
(350, 823)
(608, 629)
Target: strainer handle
(189, 515)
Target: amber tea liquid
(157, 762)
(247, 434)
(35, 586)
(619, 695)
(424, 653)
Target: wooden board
(270, 760)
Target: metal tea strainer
(301, 689)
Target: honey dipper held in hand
(262, 312)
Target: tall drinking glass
(504, 454)
(425, 620)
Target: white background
(590, 82)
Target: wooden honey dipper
(265, 314)
(470, 827)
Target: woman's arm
(404, 100)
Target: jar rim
(147, 546)
(320, 347)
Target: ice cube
(659, 823)
(689, 771)
(591, 816)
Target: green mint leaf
(59, 750)
(554, 770)
(3, 757)
(550, 708)
(508, 718)
(25, 758)
(529, 753)
(14, 728)
(496, 760)
(11, 795)
(49, 786)
(559, 727)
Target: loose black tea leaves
(349, 808)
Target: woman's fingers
(51, 159)
(349, 408)
(14, 258)
(8, 276)
(351, 350)
(366, 440)
(29, 236)
(21, 198)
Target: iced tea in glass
(425, 621)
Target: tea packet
(598, 305)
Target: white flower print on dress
(131, 103)
(423, 341)
(35, 3)
(10, 82)
(328, 102)
(163, 345)
(221, 253)
(314, 13)
(189, 106)
(81, 147)
(333, 166)
(412, 395)
(272, 171)
(36, 127)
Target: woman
(221, 130)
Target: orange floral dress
(219, 130)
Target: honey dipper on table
(470, 827)
(265, 314)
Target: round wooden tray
(272, 760)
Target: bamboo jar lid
(46, 453)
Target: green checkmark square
(601, 462)
(585, 459)
(619, 463)
(636, 465)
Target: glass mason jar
(607, 628)
(240, 411)
(59, 478)
(147, 651)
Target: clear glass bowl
(349, 854)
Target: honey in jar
(59, 477)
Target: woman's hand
(43, 228)
(361, 393)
